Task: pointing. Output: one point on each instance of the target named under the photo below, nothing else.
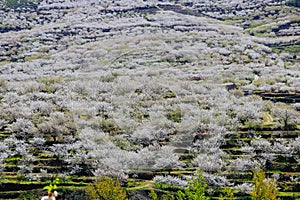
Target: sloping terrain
(125, 88)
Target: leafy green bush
(106, 189)
(226, 193)
(196, 189)
(264, 189)
(167, 196)
(153, 195)
(109, 126)
(175, 115)
(165, 182)
(252, 125)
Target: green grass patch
(289, 194)
(186, 157)
(293, 49)
(12, 159)
(134, 184)
(253, 26)
(37, 56)
(175, 115)
(164, 186)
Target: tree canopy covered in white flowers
(117, 88)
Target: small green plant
(28, 195)
(250, 124)
(180, 195)
(53, 185)
(226, 193)
(248, 60)
(153, 195)
(196, 189)
(49, 83)
(167, 196)
(109, 126)
(169, 94)
(175, 115)
(264, 189)
(105, 188)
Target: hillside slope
(125, 88)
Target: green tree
(180, 195)
(153, 195)
(106, 189)
(264, 189)
(194, 191)
(227, 194)
(52, 185)
(167, 196)
(196, 188)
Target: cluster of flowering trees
(131, 131)
(109, 90)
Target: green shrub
(175, 115)
(109, 126)
(252, 125)
(49, 83)
(167, 196)
(226, 193)
(105, 189)
(153, 195)
(264, 189)
(169, 94)
(196, 189)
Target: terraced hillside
(138, 89)
(278, 163)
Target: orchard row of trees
(196, 189)
(97, 88)
(133, 131)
